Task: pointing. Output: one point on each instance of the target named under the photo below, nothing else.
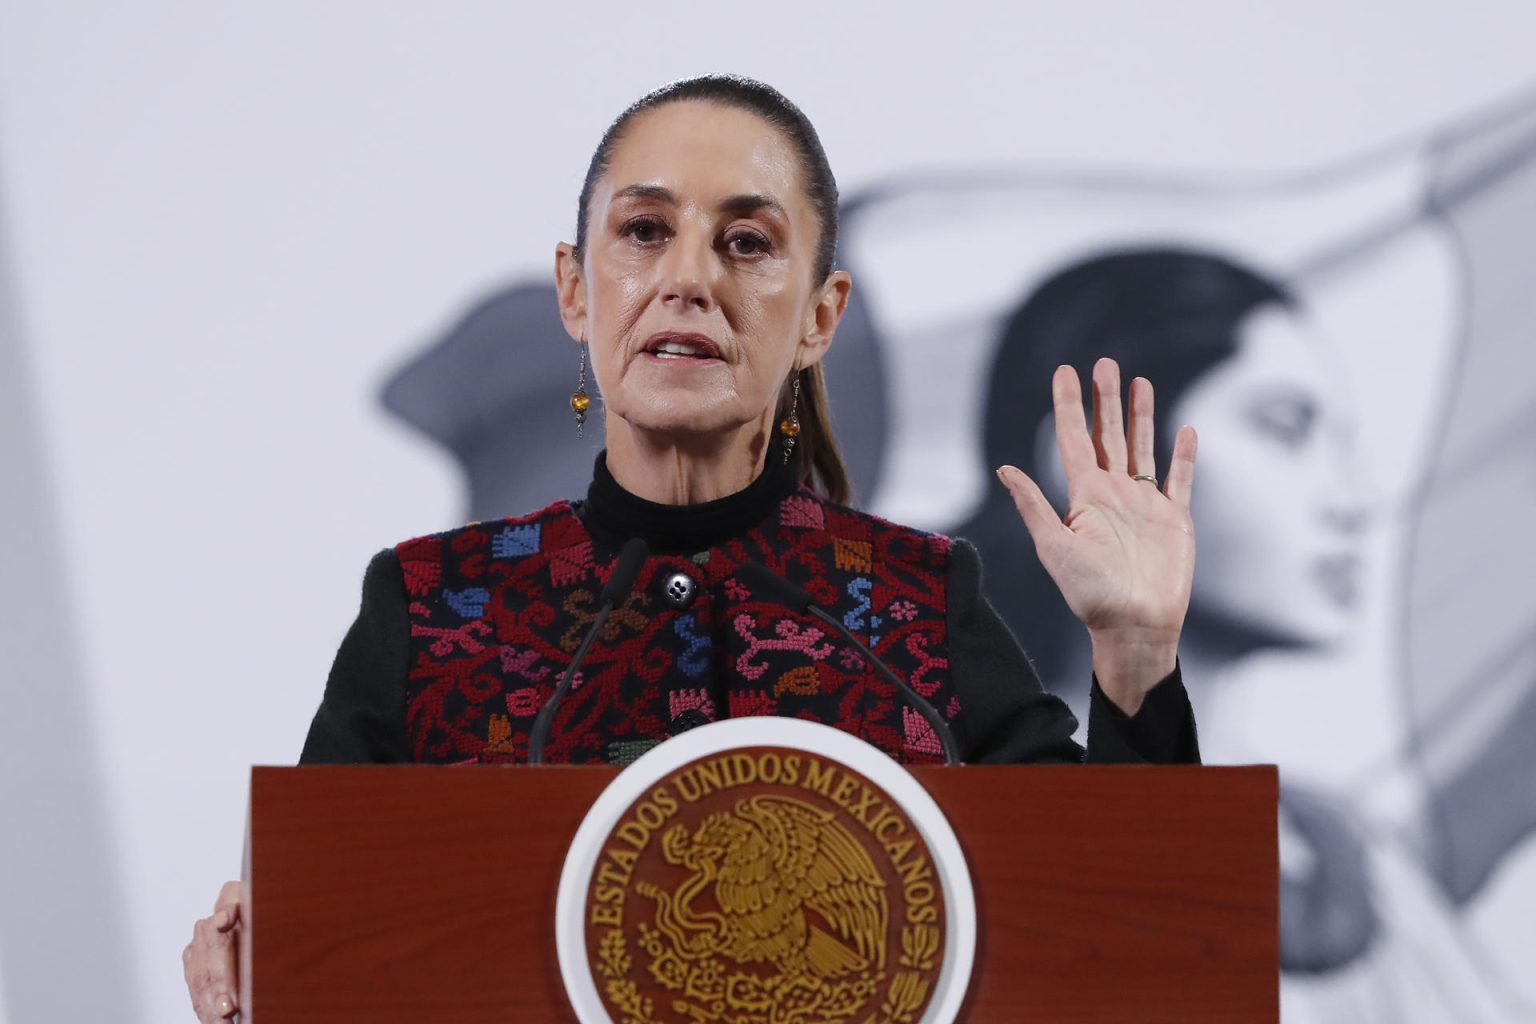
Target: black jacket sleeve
(1007, 716)
(361, 719)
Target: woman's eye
(747, 243)
(645, 230)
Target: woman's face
(695, 291)
(1275, 500)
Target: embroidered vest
(497, 611)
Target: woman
(701, 289)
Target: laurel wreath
(908, 990)
(614, 964)
(919, 945)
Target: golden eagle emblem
(767, 863)
(720, 900)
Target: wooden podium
(416, 894)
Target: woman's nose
(687, 274)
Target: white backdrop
(224, 223)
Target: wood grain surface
(414, 894)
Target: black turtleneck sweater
(1010, 718)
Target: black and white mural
(1349, 342)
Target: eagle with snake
(791, 888)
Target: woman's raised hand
(211, 960)
(1124, 556)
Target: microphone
(631, 557)
(765, 581)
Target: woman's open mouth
(670, 346)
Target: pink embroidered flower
(903, 610)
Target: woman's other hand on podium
(211, 960)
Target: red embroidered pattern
(498, 609)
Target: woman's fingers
(1039, 517)
(1113, 445)
(226, 909)
(209, 965)
(1108, 421)
(1142, 452)
(1077, 456)
(210, 961)
(1181, 471)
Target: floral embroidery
(497, 611)
(789, 636)
(691, 700)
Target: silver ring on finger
(1148, 477)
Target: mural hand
(1124, 555)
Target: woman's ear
(571, 287)
(821, 319)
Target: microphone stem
(930, 714)
(541, 724)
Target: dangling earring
(579, 399)
(790, 425)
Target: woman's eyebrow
(744, 205)
(656, 192)
(740, 205)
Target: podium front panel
(417, 894)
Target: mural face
(1278, 505)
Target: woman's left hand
(1124, 556)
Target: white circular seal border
(766, 731)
